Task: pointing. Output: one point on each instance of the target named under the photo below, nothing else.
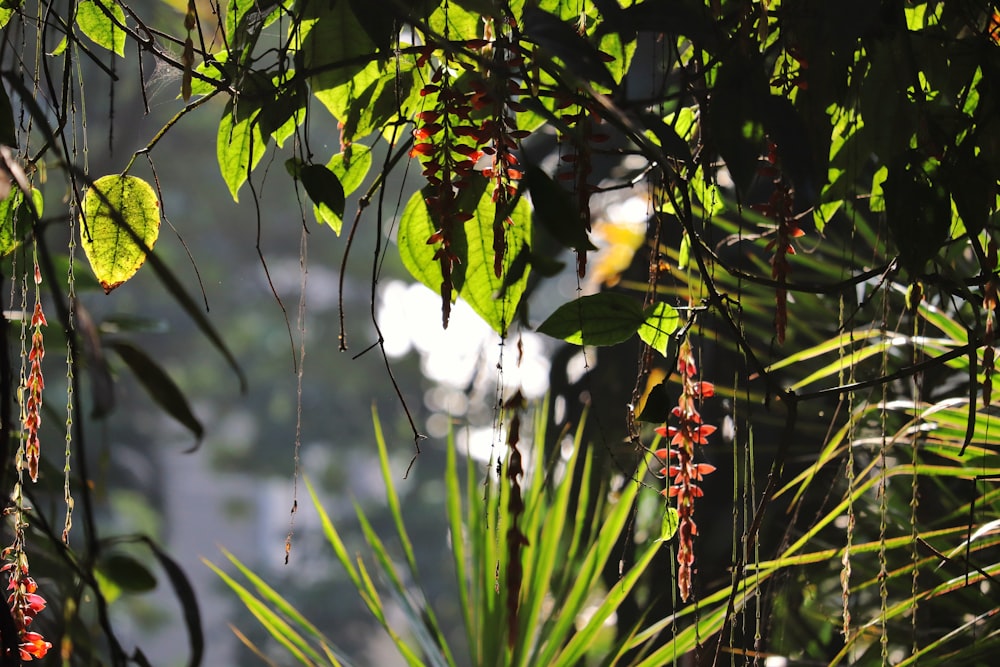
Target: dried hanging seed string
(845, 571)
(71, 310)
(883, 498)
(70, 379)
(916, 389)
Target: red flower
(35, 602)
(33, 645)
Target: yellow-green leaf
(351, 174)
(661, 321)
(668, 527)
(120, 223)
(15, 218)
(239, 147)
(93, 18)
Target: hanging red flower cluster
(35, 383)
(25, 603)
(779, 207)
(680, 468)
(499, 129)
(468, 117)
(448, 161)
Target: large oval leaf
(599, 319)
(473, 277)
(120, 224)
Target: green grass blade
(459, 553)
(545, 534)
(273, 598)
(583, 640)
(590, 572)
(392, 498)
(404, 649)
(333, 537)
(275, 625)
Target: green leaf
(668, 527)
(15, 218)
(126, 573)
(160, 386)
(684, 252)
(556, 212)
(93, 18)
(876, 202)
(214, 68)
(825, 212)
(352, 172)
(328, 36)
(280, 115)
(239, 147)
(119, 226)
(661, 321)
(461, 20)
(326, 192)
(600, 319)
(473, 278)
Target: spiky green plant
(563, 608)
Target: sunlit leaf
(239, 146)
(329, 40)
(93, 18)
(669, 524)
(119, 226)
(661, 321)
(212, 68)
(473, 278)
(15, 218)
(351, 172)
